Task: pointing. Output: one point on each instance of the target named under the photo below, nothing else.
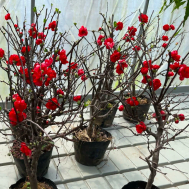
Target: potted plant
(42, 82)
(164, 116)
(110, 54)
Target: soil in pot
(133, 114)
(138, 185)
(43, 163)
(107, 120)
(91, 152)
(42, 184)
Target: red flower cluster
(115, 56)
(24, 149)
(13, 117)
(131, 30)
(175, 56)
(1, 53)
(181, 117)
(170, 74)
(82, 32)
(120, 67)
(163, 115)
(52, 104)
(60, 91)
(42, 70)
(76, 98)
(100, 39)
(175, 66)
(119, 26)
(7, 17)
(167, 27)
(52, 25)
(140, 127)
(109, 43)
(156, 84)
(62, 57)
(32, 31)
(39, 41)
(143, 18)
(137, 48)
(132, 101)
(80, 72)
(183, 72)
(14, 59)
(23, 50)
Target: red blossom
(175, 56)
(82, 32)
(140, 127)
(163, 114)
(132, 30)
(166, 27)
(143, 18)
(14, 59)
(156, 84)
(144, 70)
(172, 27)
(41, 36)
(1, 53)
(119, 26)
(83, 77)
(149, 80)
(99, 40)
(60, 91)
(20, 105)
(13, 117)
(121, 108)
(147, 64)
(32, 31)
(15, 25)
(109, 43)
(184, 71)
(165, 38)
(155, 67)
(76, 98)
(39, 41)
(52, 104)
(181, 117)
(52, 25)
(137, 48)
(7, 16)
(23, 50)
(120, 67)
(132, 101)
(175, 66)
(24, 149)
(164, 45)
(115, 56)
(80, 72)
(170, 74)
(62, 57)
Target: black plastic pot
(42, 168)
(91, 153)
(105, 121)
(47, 181)
(140, 112)
(138, 185)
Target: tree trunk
(155, 161)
